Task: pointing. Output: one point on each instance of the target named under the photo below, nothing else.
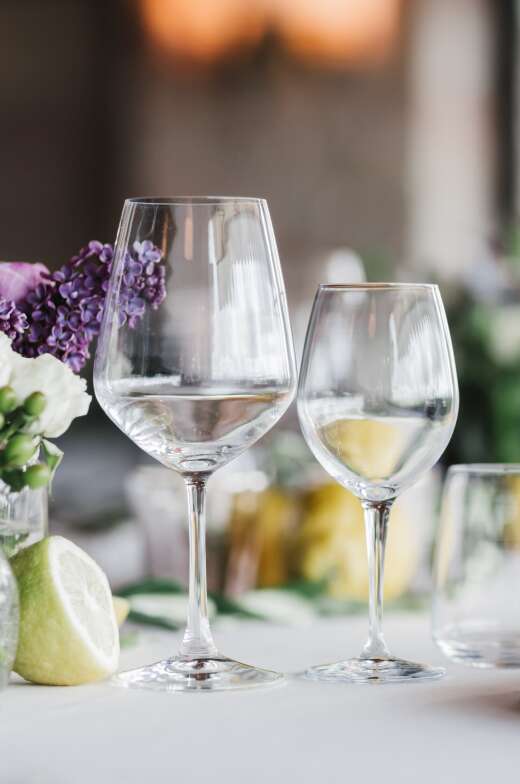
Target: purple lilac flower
(143, 281)
(12, 321)
(18, 278)
(64, 311)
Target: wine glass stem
(376, 524)
(197, 642)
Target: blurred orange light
(338, 32)
(203, 30)
(331, 32)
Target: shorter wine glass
(377, 402)
(476, 612)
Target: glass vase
(23, 518)
(8, 620)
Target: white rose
(6, 359)
(64, 391)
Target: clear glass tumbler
(9, 616)
(24, 517)
(476, 604)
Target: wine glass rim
(193, 201)
(376, 286)
(485, 468)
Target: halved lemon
(68, 627)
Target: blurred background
(382, 133)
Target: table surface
(464, 728)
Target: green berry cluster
(19, 448)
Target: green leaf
(309, 589)
(152, 586)
(224, 605)
(227, 606)
(128, 639)
(152, 620)
(51, 455)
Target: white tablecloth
(464, 728)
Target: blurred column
(452, 144)
(59, 128)
(516, 108)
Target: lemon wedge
(68, 626)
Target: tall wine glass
(195, 372)
(377, 402)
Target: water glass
(23, 518)
(476, 605)
(9, 610)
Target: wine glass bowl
(193, 428)
(376, 400)
(378, 403)
(202, 372)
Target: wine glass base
(389, 670)
(217, 673)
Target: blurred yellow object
(332, 545)
(512, 526)
(121, 609)
(260, 533)
(371, 448)
(274, 521)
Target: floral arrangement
(39, 398)
(49, 321)
(60, 313)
